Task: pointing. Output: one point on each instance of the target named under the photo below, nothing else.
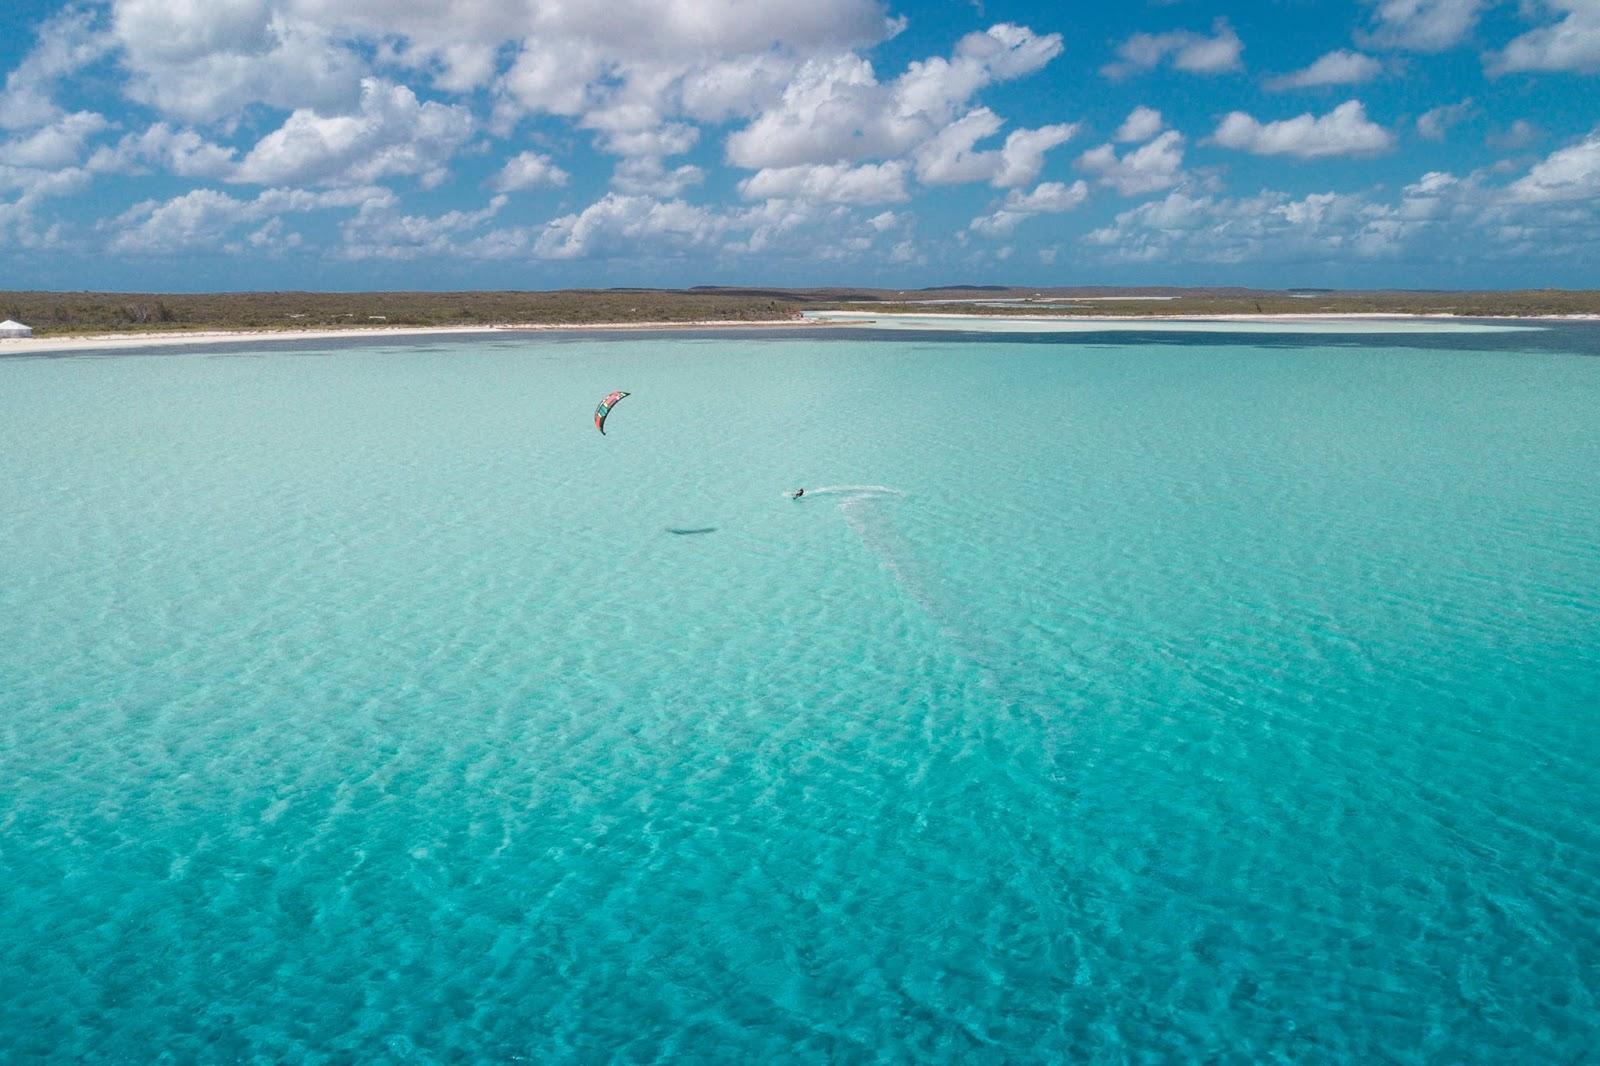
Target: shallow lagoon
(1159, 696)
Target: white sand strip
(1291, 323)
(111, 341)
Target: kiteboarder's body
(796, 494)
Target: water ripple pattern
(1110, 699)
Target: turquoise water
(1170, 699)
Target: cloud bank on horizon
(201, 144)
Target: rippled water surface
(1133, 698)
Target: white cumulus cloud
(735, 87)
(203, 219)
(839, 183)
(647, 176)
(1433, 123)
(1051, 197)
(1187, 51)
(204, 60)
(632, 224)
(354, 92)
(1571, 173)
(33, 184)
(1341, 67)
(1572, 43)
(528, 170)
(1184, 227)
(66, 44)
(949, 157)
(1141, 124)
(178, 151)
(378, 232)
(53, 146)
(637, 132)
(628, 67)
(836, 109)
(1422, 25)
(1022, 156)
(1345, 130)
(392, 134)
(1149, 168)
(1548, 211)
(1520, 134)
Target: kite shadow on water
(675, 530)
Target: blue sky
(353, 144)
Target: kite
(604, 409)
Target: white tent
(12, 328)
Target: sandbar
(1310, 322)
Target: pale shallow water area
(1136, 697)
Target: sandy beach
(111, 341)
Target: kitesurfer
(796, 494)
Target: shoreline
(833, 319)
(111, 341)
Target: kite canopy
(604, 409)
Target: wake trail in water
(864, 514)
(853, 491)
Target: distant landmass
(91, 312)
